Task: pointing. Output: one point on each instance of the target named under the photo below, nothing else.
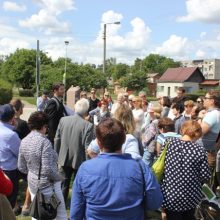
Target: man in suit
(73, 136)
(55, 110)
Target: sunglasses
(208, 97)
(199, 101)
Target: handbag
(158, 166)
(41, 208)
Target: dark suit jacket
(55, 111)
(73, 136)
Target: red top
(6, 185)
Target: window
(160, 88)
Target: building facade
(209, 67)
(187, 77)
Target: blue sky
(178, 29)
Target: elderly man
(112, 185)
(73, 136)
(9, 148)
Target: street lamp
(104, 38)
(64, 75)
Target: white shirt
(139, 118)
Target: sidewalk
(27, 110)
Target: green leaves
(19, 67)
(134, 81)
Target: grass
(30, 100)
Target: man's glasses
(199, 101)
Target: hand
(202, 114)
(163, 215)
(87, 118)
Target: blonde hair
(192, 129)
(138, 100)
(125, 116)
(189, 103)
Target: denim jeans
(61, 211)
(148, 157)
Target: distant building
(209, 67)
(187, 77)
(209, 84)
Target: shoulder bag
(40, 207)
(158, 166)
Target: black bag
(40, 208)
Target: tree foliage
(5, 91)
(20, 67)
(154, 63)
(134, 81)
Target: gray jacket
(73, 136)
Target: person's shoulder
(130, 137)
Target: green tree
(120, 70)
(20, 67)
(155, 63)
(134, 81)
(5, 91)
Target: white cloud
(202, 35)
(13, 6)
(9, 45)
(13, 33)
(127, 47)
(202, 10)
(175, 46)
(200, 54)
(46, 19)
(45, 22)
(57, 7)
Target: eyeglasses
(199, 101)
(130, 100)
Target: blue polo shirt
(9, 147)
(110, 187)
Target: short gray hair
(82, 106)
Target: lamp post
(64, 75)
(104, 46)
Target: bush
(26, 92)
(193, 96)
(5, 91)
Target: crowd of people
(108, 149)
